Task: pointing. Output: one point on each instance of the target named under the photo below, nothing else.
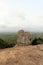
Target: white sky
(21, 14)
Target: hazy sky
(21, 14)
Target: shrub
(11, 44)
(34, 41)
(37, 41)
(3, 44)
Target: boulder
(24, 38)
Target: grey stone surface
(24, 38)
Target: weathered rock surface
(24, 38)
(22, 55)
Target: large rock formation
(28, 55)
(24, 38)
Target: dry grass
(28, 55)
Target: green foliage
(37, 41)
(11, 44)
(37, 35)
(3, 44)
(10, 40)
(7, 41)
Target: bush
(11, 44)
(37, 41)
(3, 44)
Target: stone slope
(22, 55)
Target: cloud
(3, 9)
(32, 23)
(20, 16)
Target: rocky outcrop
(24, 38)
(28, 55)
